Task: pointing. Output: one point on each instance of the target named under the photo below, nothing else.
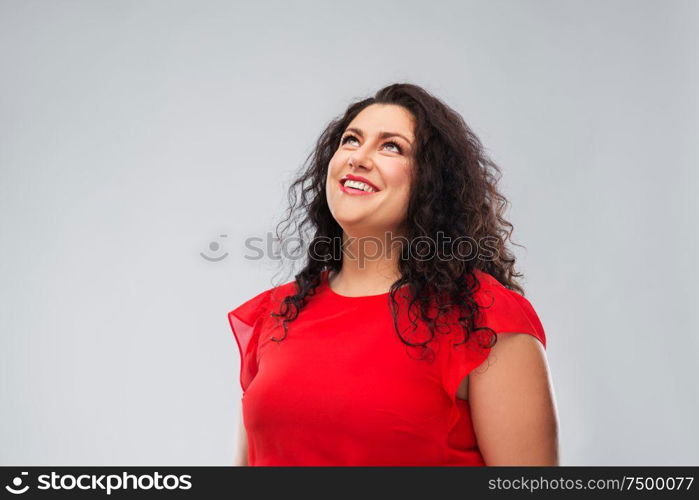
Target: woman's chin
(353, 220)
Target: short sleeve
(244, 321)
(504, 311)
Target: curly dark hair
(457, 195)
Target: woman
(405, 339)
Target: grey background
(134, 133)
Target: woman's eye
(398, 148)
(344, 140)
(348, 137)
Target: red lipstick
(360, 179)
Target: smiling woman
(394, 350)
(378, 168)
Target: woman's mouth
(356, 188)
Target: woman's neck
(369, 266)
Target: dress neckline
(325, 282)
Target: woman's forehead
(381, 118)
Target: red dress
(342, 389)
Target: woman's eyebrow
(382, 135)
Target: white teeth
(359, 185)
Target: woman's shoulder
(253, 307)
(246, 321)
(505, 310)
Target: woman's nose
(360, 158)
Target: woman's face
(376, 146)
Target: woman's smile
(355, 191)
(356, 185)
